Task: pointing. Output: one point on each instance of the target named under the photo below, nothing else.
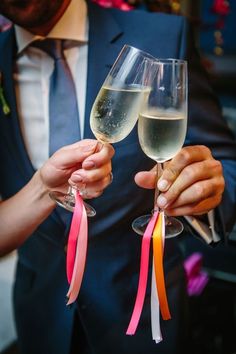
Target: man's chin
(33, 15)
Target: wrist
(41, 191)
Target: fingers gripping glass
(162, 127)
(116, 107)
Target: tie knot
(53, 47)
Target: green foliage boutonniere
(3, 102)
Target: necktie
(64, 125)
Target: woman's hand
(85, 164)
(87, 161)
(192, 183)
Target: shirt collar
(71, 26)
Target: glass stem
(159, 170)
(70, 191)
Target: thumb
(146, 179)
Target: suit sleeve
(207, 126)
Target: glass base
(173, 226)
(67, 201)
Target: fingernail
(99, 146)
(77, 178)
(88, 164)
(161, 201)
(87, 148)
(163, 184)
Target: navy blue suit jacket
(106, 300)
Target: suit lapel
(103, 30)
(10, 128)
(10, 123)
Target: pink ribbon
(72, 239)
(77, 249)
(143, 276)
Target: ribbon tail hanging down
(81, 249)
(158, 250)
(143, 276)
(155, 309)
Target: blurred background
(213, 310)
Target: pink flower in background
(221, 7)
(196, 278)
(119, 4)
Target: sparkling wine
(162, 133)
(115, 112)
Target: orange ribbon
(158, 250)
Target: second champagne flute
(162, 127)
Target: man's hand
(86, 163)
(192, 183)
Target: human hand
(192, 183)
(86, 162)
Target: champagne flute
(116, 108)
(162, 126)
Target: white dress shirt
(32, 74)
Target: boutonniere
(3, 102)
